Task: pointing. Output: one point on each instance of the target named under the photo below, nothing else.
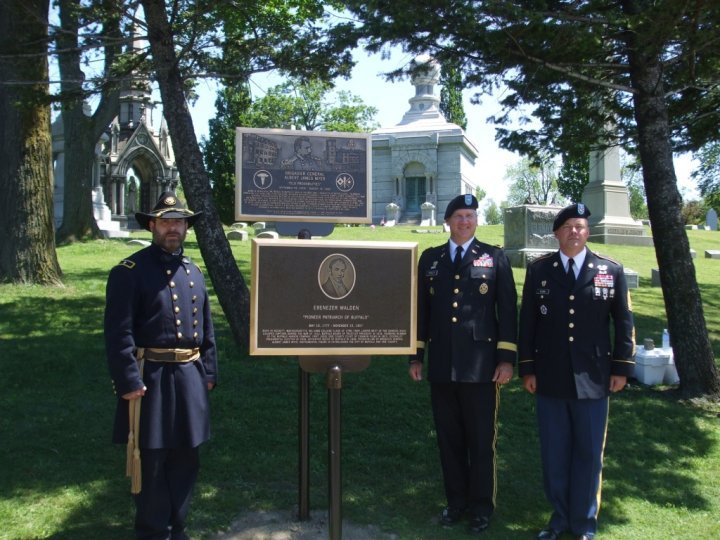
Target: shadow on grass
(56, 451)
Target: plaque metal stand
(333, 367)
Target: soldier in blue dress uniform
(571, 362)
(467, 321)
(161, 352)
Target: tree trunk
(27, 249)
(230, 287)
(81, 132)
(683, 304)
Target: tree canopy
(636, 73)
(307, 105)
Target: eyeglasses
(568, 228)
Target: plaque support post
(304, 446)
(333, 367)
(334, 386)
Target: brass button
(571, 338)
(572, 311)
(178, 322)
(572, 297)
(168, 272)
(454, 319)
(454, 304)
(177, 309)
(572, 325)
(192, 284)
(455, 291)
(175, 296)
(457, 276)
(194, 297)
(195, 323)
(179, 335)
(195, 335)
(187, 271)
(172, 283)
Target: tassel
(136, 479)
(130, 451)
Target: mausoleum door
(414, 193)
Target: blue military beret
(461, 202)
(577, 210)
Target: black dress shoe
(479, 523)
(548, 534)
(451, 515)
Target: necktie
(571, 273)
(458, 258)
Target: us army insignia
(483, 288)
(127, 264)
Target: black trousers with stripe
(465, 417)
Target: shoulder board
(606, 258)
(127, 263)
(541, 258)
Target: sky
(391, 101)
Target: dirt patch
(284, 526)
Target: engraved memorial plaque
(333, 298)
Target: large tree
(641, 73)
(87, 32)
(27, 248)
(310, 106)
(185, 38)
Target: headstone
(528, 232)
(608, 199)
(427, 214)
(711, 219)
(693, 253)
(655, 277)
(239, 225)
(259, 226)
(691, 227)
(268, 234)
(237, 235)
(632, 278)
(392, 214)
(138, 242)
(712, 253)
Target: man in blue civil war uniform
(467, 321)
(570, 362)
(161, 352)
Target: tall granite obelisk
(609, 201)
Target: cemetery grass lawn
(61, 478)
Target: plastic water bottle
(665, 339)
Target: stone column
(609, 201)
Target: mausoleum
(424, 161)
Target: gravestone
(528, 232)
(392, 214)
(632, 278)
(655, 277)
(237, 234)
(711, 219)
(427, 212)
(712, 253)
(609, 202)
